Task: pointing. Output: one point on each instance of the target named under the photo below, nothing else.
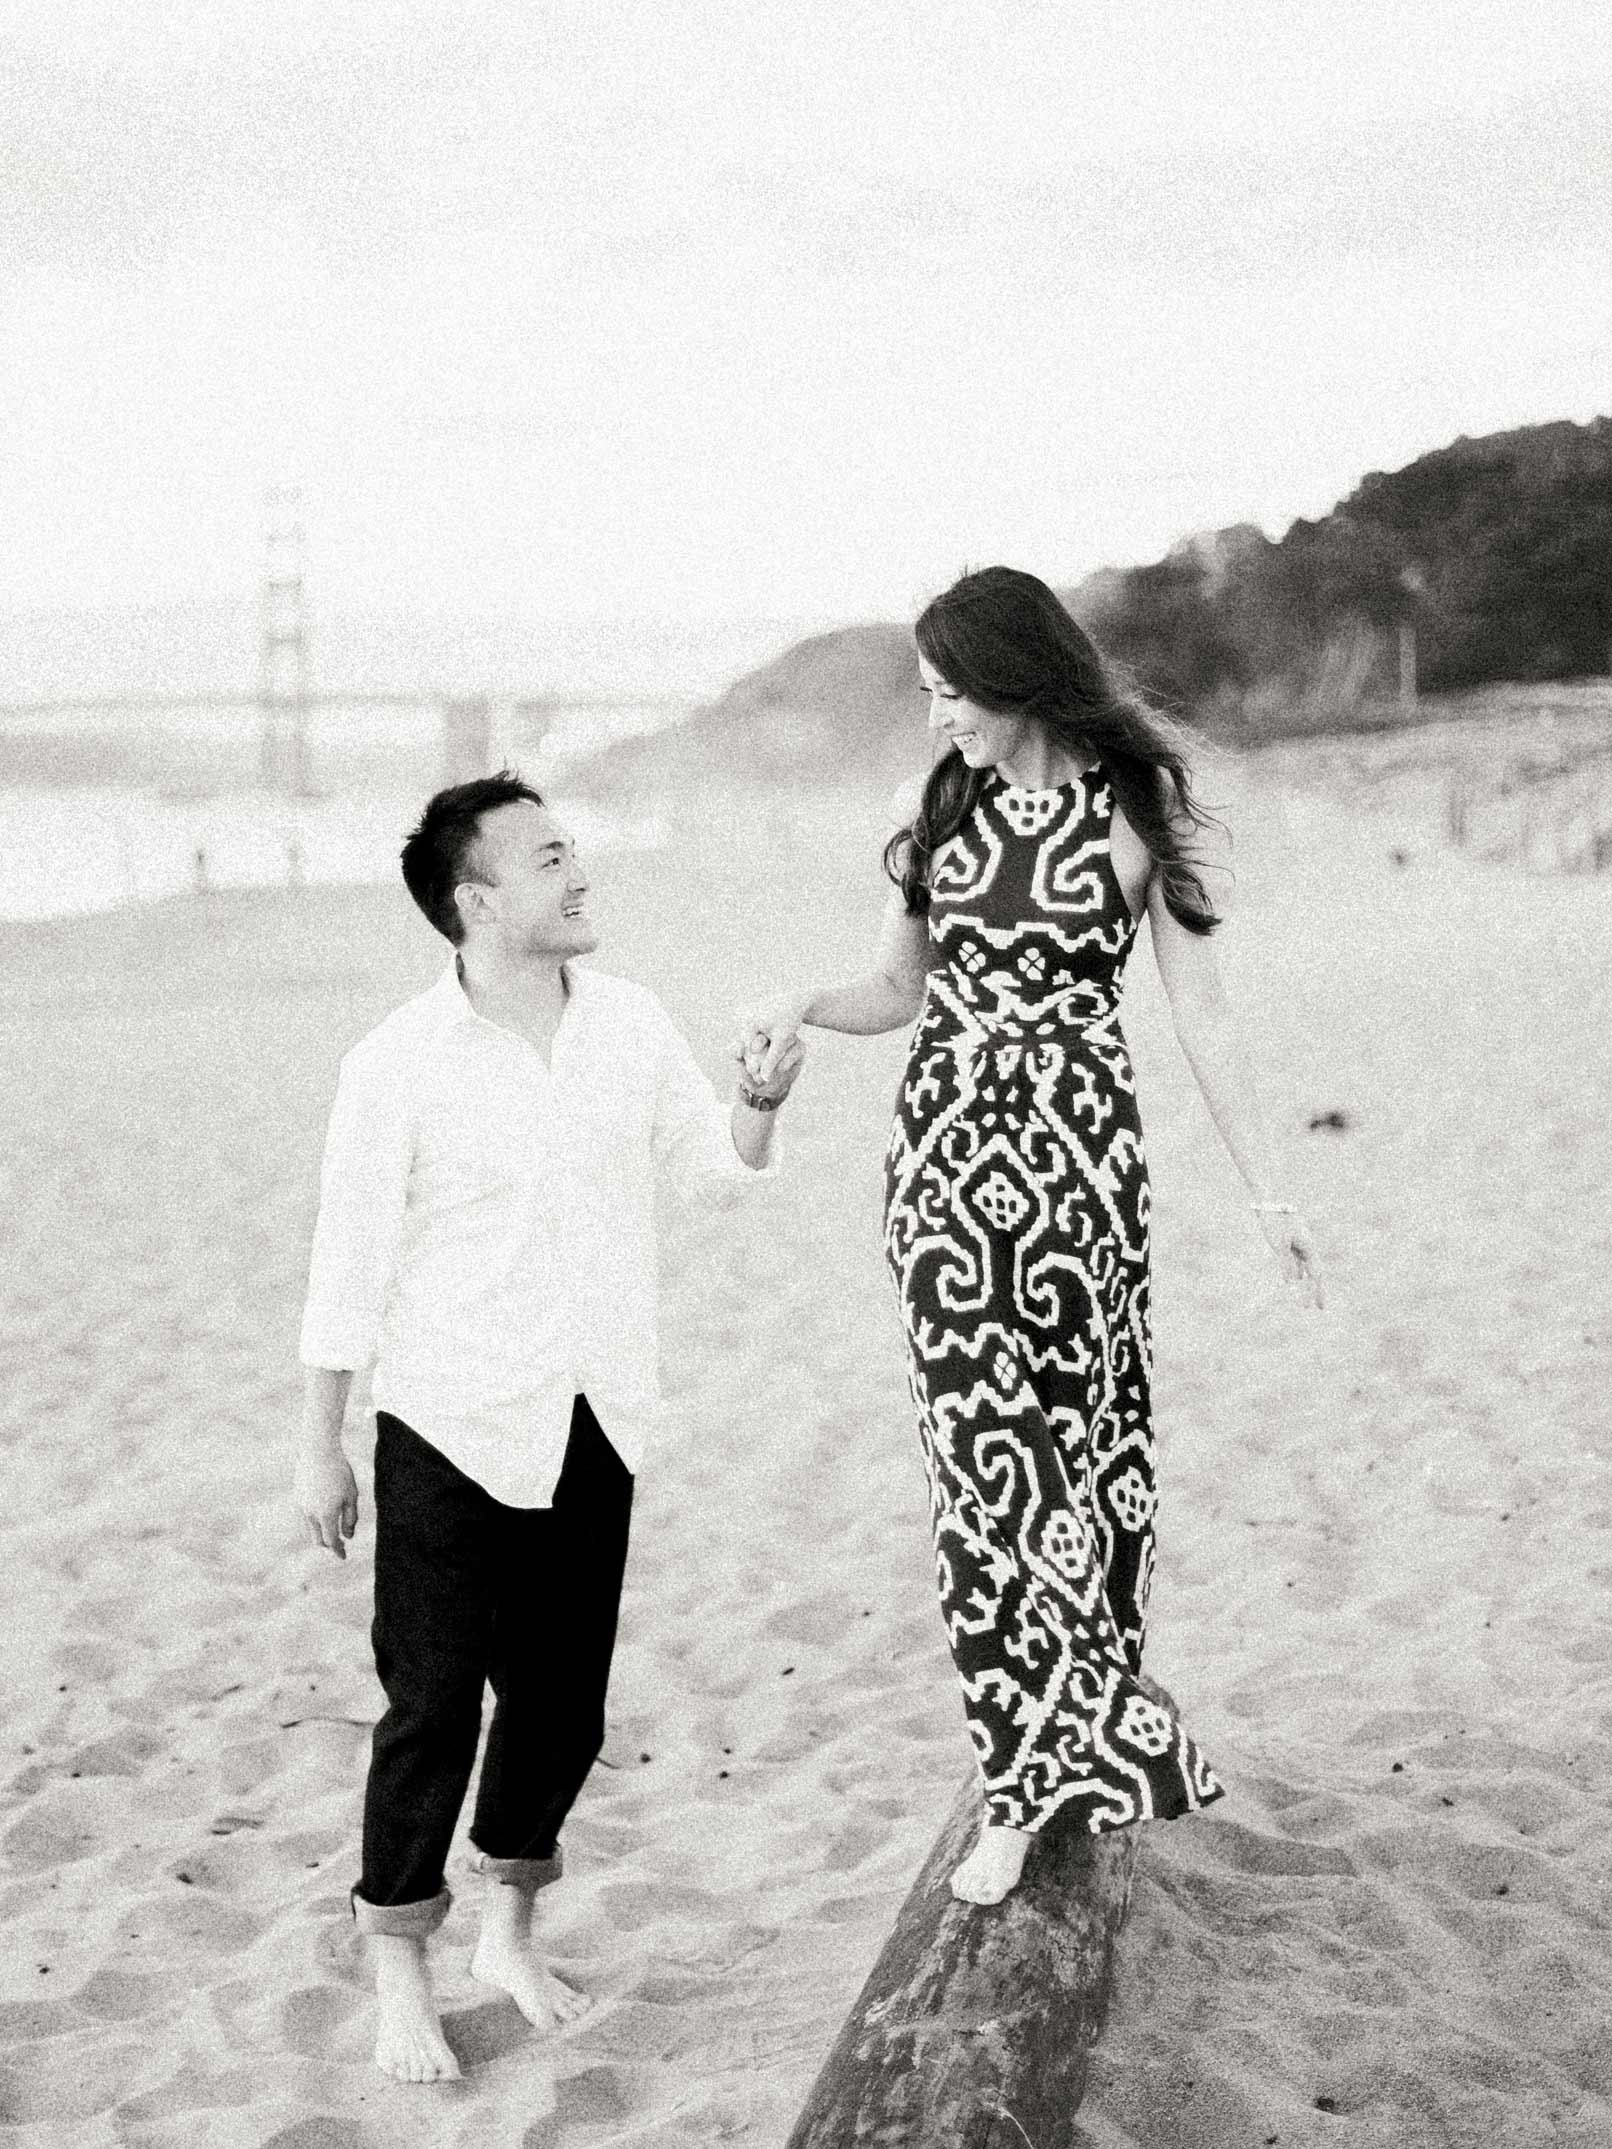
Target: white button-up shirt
(486, 1225)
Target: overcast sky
(727, 307)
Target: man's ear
(470, 900)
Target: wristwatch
(756, 1101)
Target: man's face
(533, 893)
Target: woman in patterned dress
(1016, 1196)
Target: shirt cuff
(327, 1347)
(769, 1170)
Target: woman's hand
(781, 1081)
(1288, 1237)
(767, 1032)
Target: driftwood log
(975, 2027)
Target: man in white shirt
(486, 1237)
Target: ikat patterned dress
(1016, 1226)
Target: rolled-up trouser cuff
(527, 1874)
(402, 1921)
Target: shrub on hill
(1498, 552)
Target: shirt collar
(452, 1003)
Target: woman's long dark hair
(1002, 639)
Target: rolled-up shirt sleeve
(363, 1193)
(693, 1135)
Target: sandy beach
(1385, 1568)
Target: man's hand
(781, 1081)
(766, 1033)
(324, 1493)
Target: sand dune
(1385, 1575)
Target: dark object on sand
(975, 2027)
(1332, 1122)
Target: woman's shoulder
(905, 800)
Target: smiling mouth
(572, 910)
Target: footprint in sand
(592, 2098)
(850, 1845)
(1434, 1853)
(246, 1768)
(1529, 1802)
(325, 2022)
(852, 1909)
(821, 1621)
(87, 1663)
(730, 1688)
(173, 1794)
(192, 1920)
(1249, 1850)
(1485, 1871)
(339, 1951)
(73, 2080)
(124, 1754)
(322, 2130)
(790, 1743)
(123, 1995)
(602, 1838)
(306, 1849)
(1363, 1913)
(672, 1988)
(25, 2022)
(485, 2031)
(49, 1838)
(629, 1905)
(1372, 1984)
(221, 1867)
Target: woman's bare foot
(409, 2044)
(507, 1957)
(992, 1868)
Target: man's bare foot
(409, 2044)
(507, 1957)
(992, 1868)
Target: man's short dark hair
(437, 853)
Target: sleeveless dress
(1016, 1226)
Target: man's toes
(437, 2063)
(415, 2062)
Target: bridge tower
(283, 669)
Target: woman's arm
(1211, 1038)
(887, 997)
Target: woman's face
(981, 736)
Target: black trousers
(470, 1593)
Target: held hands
(769, 1035)
(324, 1493)
(1288, 1237)
(776, 1086)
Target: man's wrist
(756, 1100)
(324, 1409)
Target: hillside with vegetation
(1496, 553)
(841, 704)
